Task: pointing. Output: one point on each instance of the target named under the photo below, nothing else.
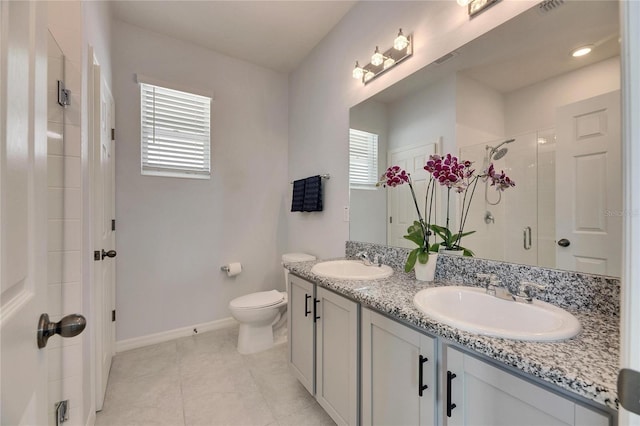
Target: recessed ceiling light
(581, 51)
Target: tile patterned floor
(203, 380)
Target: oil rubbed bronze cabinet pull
(316, 317)
(306, 304)
(450, 406)
(421, 386)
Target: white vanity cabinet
(323, 347)
(478, 393)
(398, 373)
(302, 338)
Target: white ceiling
(274, 34)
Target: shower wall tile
(64, 298)
(64, 266)
(64, 203)
(64, 235)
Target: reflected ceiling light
(377, 59)
(581, 51)
(401, 42)
(381, 61)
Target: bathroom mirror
(519, 81)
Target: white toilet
(259, 312)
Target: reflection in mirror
(518, 81)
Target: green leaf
(423, 256)
(466, 252)
(411, 260)
(435, 247)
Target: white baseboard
(165, 336)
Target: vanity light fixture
(581, 51)
(383, 61)
(476, 6)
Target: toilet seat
(261, 299)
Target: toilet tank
(294, 257)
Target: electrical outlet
(345, 215)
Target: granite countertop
(586, 365)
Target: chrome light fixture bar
(383, 61)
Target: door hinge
(62, 411)
(97, 255)
(113, 224)
(113, 134)
(113, 315)
(64, 95)
(390, 219)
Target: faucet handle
(526, 289)
(377, 260)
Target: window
(175, 132)
(363, 159)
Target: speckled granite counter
(586, 365)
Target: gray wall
(174, 234)
(321, 91)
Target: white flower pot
(426, 271)
(452, 252)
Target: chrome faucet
(365, 258)
(494, 287)
(489, 283)
(377, 260)
(526, 291)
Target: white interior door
(400, 206)
(104, 273)
(23, 211)
(589, 178)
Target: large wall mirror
(560, 115)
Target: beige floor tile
(224, 409)
(283, 392)
(153, 359)
(203, 380)
(312, 415)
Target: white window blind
(363, 159)
(175, 132)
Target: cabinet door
(301, 331)
(486, 395)
(393, 356)
(337, 356)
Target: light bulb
(389, 63)
(358, 72)
(369, 75)
(377, 59)
(401, 42)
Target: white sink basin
(471, 309)
(351, 270)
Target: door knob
(564, 242)
(110, 253)
(69, 326)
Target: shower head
(500, 153)
(495, 153)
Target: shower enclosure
(519, 224)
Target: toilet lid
(260, 299)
